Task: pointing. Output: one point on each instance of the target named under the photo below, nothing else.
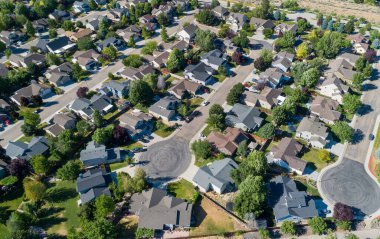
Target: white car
(205, 103)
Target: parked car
(138, 150)
(189, 118)
(205, 103)
(371, 137)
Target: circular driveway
(166, 159)
(350, 184)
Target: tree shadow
(56, 236)
(364, 109)
(199, 214)
(358, 137)
(56, 195)
(369, 87)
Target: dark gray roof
(218, 174)
(191, 29)
(246, 115)
(215, 57)
(3, 71)
(288, 202)
(94, 193)
(91, 179)
(80, 104)
(96, 154)
(200, 71)
(16, 149)
(58, 43)
(37, 146)
(156, 209)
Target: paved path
(56, 103)
(347, 181)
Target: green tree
(163, 20)
(146, 34)
(100, 228)
(69, 171)
(102, 135)
(255, 164)
(287, 40)
(35, 191)
(30, 29)
(131, 42)
(40, 164)
(133, 60)
(140, 92)
(329, 45)
(310, 78)
(53, 59)
(207, 17)
(68, 25)
(302, 51)
(136, 184)
(324, 155)
(205, 39)
(235, 93)
(151, 79)
(264, 233)
(144, 233)
(176, 60)
(52, 33)
(242, 149)
(318, 225)
(268, 33)
(216, 121)
(164, 35)
(241, 40)
(288, 227)
(98, 118)
(360, 64)
(358, 80)
(351, 103)
(104, 205)
(183, 110)
(279, 115)
(266, 131)
(83, 127)
(77, 72)
(343, 131)
(251, 197)
(201, 149)
(85, 43)
(149, 48)
(93, 5)
(216, 109)
(109, 53)
(351, 236)
(31, 122)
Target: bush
(144, 233)
(318, 225)
(288, 227)
(202, 149)
(7, 181)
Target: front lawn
(195, 102)
(210, 220)
(220, 77)
(111, 114)
(163, 130)
(116, 166)
(182, 189)
(62, 208)
(306, 185)
(311, 156)
(132, 145)
(25, 139)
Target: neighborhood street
(54, 104)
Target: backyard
(210, 219)
(9, 203)
(306, 185)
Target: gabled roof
(200, 71)
(217, 174)
(215, 57)
(287, 150)
(190, 29)
(228, 142)
(37, 146)
(92, 178)
(222, 11)
(325, 108)
(29, 91)
(246, 115)
(258, 22)
(287, 201)
(312, 125)
(151, 205)
(184, 86)
(58, 43)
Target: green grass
(311, 156)
(195, 102)
(303, 185)
(111, 114)
(132, 145)
(116, 166)
(62, 208)
(163, 130)
(182, 189)
(220, 77)
(9, 203)
(24, 139)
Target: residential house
(61, 122)
(165, 108)
(59, 15)
(166, 9)
(60, 45)
(92, 184)
(132, 73)
(86, 32)
(283, 60)
(85, 108)
(237, 21)
(361, 47)
(96, 154)
(285, 155)
(4, 106)
(283, 27)
(220, 12)
(116, 14)
(228, 142)
(118, 44)
(313, 131)
(341, 68)
(137, 124)
(188, 33)
(356, 38)
(274, 77)
(185, 88)
(87, 60)
(261, 24)
(10, 38)
(351, 58)
(200, 73)
(80, 7)
(25, 61)
(326, 109)
(94, 23)
(157, 210)
(214, 59)
(161, 60)
(3, 71)
(147, 18)
(115, 89)
(216, 176)
(60, 75)
(37, 146)
(267, 98)
(229, 47)
(334, 88)
(288, 203)
(28, 91)
(41, 25)
(244, 117)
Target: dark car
(371, 137)
(189, 118)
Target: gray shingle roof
(37, 146)
(96, 154)
(246, 115)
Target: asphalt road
(56, 103)
(157, 160)
(349, 182)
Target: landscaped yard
(163, 130)
(132, 145)
(304, 185)
(9, 203)
(25, 139)
(195, 102)
(62, 213)
(312, 157)
(116, 166)
(182, 189)
(210, 219)
(129, 224)
(111, 114)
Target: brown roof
(325, 108)
(268, 95)
(287, 151)
(228, 142)
(84, 57)
(82, 33)
(185, 86)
